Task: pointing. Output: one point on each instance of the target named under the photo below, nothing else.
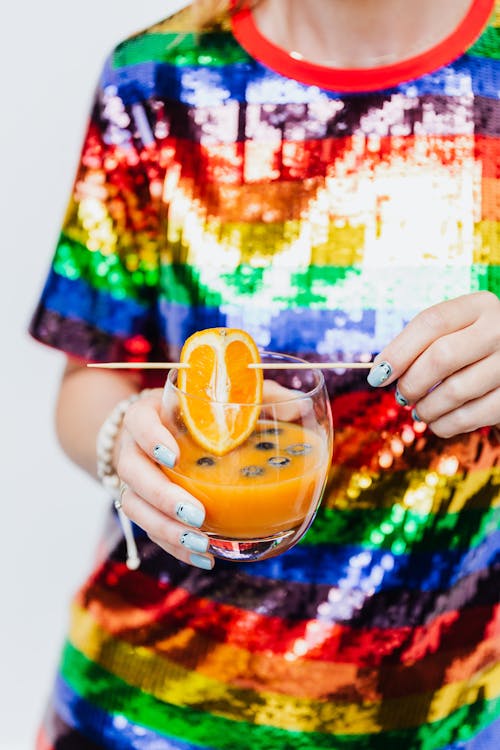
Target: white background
(50, 57)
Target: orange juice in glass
(261, 496)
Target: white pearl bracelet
(106, 438)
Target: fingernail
(415, 415)
(401, 400)
(194, 542)
(201, 562)
(164, 455)
(379, 374)
(190, 514)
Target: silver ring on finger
(118, 500)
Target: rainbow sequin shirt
(213, 190)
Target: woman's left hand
(447, 364)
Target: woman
(323, 175)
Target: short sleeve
(99, 301)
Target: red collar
(362, 79)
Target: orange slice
(218, 360)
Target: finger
(205, 562)
(463, 386)
(449, 354)
(282, 403)
(148, 480)
(428, 326)
(142, 420)
(182, 542)
(273, 391)
(481, 412)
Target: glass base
(248, 550)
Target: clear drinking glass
(261, 497)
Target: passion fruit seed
(265, 446)
(278, 461)
(299, 449)
(205, 461)
(252, 471)
(269, 431)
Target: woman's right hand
(169, 515)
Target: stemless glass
(261, 497)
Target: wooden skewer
(253, 365)
(136, 365)
(311, 366)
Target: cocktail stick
(253, 365)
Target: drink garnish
(229, 391)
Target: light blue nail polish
(194, 542)
(190, 514)
(200, 561)
(415, 415)
(164, 455)
(379, 374)
(401, 400)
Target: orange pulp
(218, 373)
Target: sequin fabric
(213, 191)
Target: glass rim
(300, 395)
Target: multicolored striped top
(215, 188)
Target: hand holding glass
(261, 497)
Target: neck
(358, 33)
